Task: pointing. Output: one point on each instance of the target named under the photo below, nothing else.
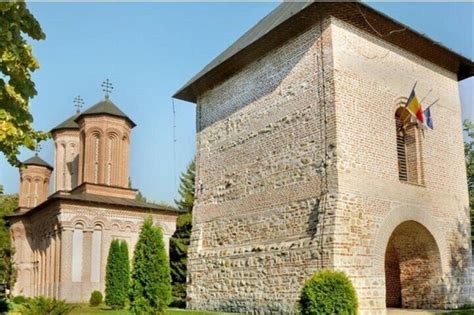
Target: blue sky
(149, 50)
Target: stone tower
(34, 182)
(66, 156)
(104, 132)
(305, 160)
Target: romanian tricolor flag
(414, 106)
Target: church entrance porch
(412, 267)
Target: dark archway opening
(412, 267)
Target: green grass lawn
(104, 310)
(87, 310)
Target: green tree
(16, 87)
(469, 154)
(125, 268)
(8, 203)
(150, 291)
(140, 197)
(179, 242)
(186, 188)
(117, 276)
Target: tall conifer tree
(179, 242)
(117, 277)
(150, 291)
(125, 268)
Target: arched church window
(64, 166)
(77, 244)
(28, 201)
(72, 153)
(110, 149)
(408, 147)
(82, 148)
(96, 141)
(35, 198)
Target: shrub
(96, 298)
(20, 299)
(45, 306)
(117, 277)
(328, 292)
(4, 306)
(151, 281)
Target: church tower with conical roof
(34, 182)
(104, 132)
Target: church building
(308, 157)
(62, 240)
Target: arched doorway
(412, 267)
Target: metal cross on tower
(107, 88)
(37, 149)
(78, 103)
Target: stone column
(86, 264)
(65, 284)
(33, 282)
(52, 244)
(41, 266)
(36, 267)
(46, 264)
(57, 266)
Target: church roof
(93, 199)
(292, 18)
(105, 107)
(100, 199)
(67, 124)
(36, 160)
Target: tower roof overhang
(292, 18)
(37, 161)
(68, 124)
(104, 107)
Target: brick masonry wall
(263, 200)
(297, 170)
(45, 255)
(114, 223)
(371, 79)
(66, 159)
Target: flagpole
(429, 92)
(413, 89)
(432, 103)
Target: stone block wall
(264, 209)
(66, 158)
(373, 78)
(297, 170)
